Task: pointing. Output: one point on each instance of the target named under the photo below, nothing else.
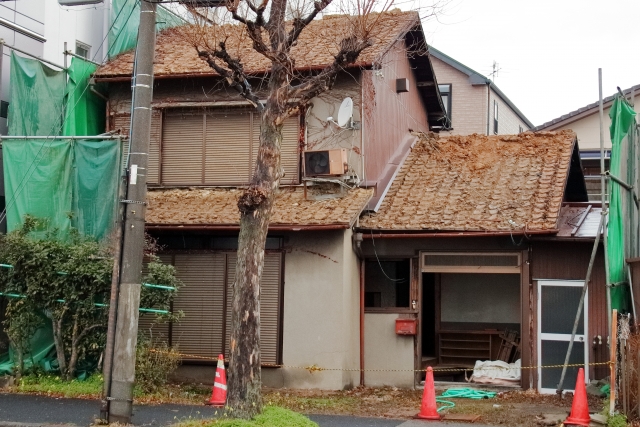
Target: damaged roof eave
(420, 234)
(236, 227)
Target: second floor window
(495, 117)
(445, 93)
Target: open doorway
(469, 314)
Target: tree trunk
(59, 343)
(73, 359)
(244, 397)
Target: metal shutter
(228, 148)
(270, 286)
(182, 149)
(146, 321)
(289, 152)
(122, 122)
(201, 299)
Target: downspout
(357, 247)
(488, 104)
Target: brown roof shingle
(176, 55)
(479, 183)
(218, 206)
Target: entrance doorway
(470, 311)
(557, 306)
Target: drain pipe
(92, 88)
(357, 247)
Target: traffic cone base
(219, 390)
(429, 410)
(579, 415)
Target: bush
(155, 361)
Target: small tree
(271, 28)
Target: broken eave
(411, 234)
(236, 227)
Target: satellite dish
(345, 112)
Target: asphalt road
(18, 410)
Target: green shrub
(617, 420)
(155, 361)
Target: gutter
(204, 227)
(368, 234)
(22, 30)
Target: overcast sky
(548, 51)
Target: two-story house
(473, 102)
(204, 144)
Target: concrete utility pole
(124, 355)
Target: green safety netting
(125, 20)
(42, 352)
(621, 210)
(66, 182)
(37, 94)
(85, 112)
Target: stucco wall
(384, 349)
(587, 127)
(468, 103)
(321, 312)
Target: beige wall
(384, 349)
(321, 312)
(508, 121)
(468, 103)
(587, 127)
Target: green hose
(447, 404)
(468, 393)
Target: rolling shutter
(289, 151)
(228, 148)
(182, 149)
(122, 122)
(201, 299)
(270, 286)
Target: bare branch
(234, 75)
(301, 24)
(350, 49)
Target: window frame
(84, 46)
(449, 104)
(495, 116)
(413, 288)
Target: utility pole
(120, 395)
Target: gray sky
(548, 51)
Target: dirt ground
(512, 408)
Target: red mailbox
(406, 326)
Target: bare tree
(271, 28)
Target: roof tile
(479, 183)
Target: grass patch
(52, 385)
(271, 416)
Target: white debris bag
(497, 372)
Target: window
(387, 283)
(520, 129)
(219, 147)
(83, 50)
(495, 117)
(445, 94)
(4, 109)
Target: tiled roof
(218, 206)
(175, 53)
(478, 183)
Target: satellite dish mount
(345, 115)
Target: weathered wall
(468, 103)
(388, 118)
(321, 306)
(384, 349)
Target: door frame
(559, 337)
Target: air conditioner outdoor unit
(325, 162)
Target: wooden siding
(569, 261)
(388, 117)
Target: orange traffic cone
(429, 410)
(219, 390)
(580, 407)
